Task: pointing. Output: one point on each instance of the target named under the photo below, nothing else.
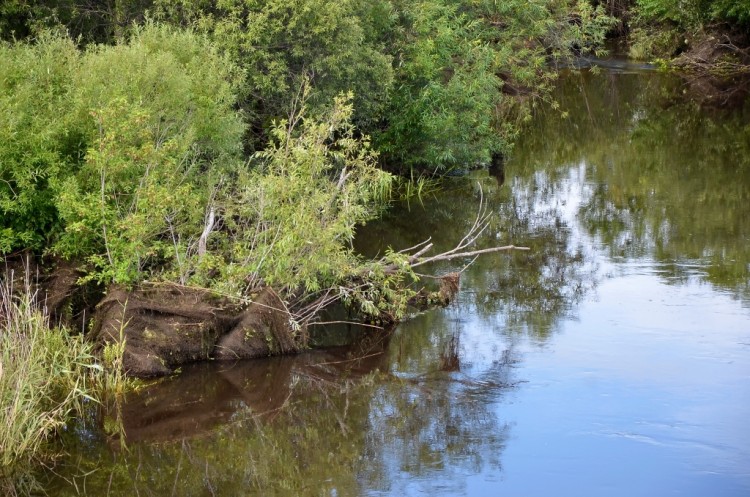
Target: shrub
(161, 129)
(108, 155)
(38, 142)
(290, 220)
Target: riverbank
(706, 42)
(610, 359)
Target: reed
(47, 375)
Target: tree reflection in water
(631, 173)
(317, 424)
(663, 180)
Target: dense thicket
(209, 142)
(107, 154)
(436, 83)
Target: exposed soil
(716, 68)
(55, 284)
(265, 328)
(165, 326)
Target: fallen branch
(450, 256)
(480, 225)
(307, 308)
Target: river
(612, 359)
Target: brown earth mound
(264, 328)
(166, 326)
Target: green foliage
(437, 83)
(129, 156)
(442, 108)
(161, 119)
(693, 13)
(290, 220)
(427, 76)
(468, 71)
(87, 21)
(146, 156)
(108, 154)
(663, 28)
(46, 375)
(283, 44)
(651, 43)
(37, 140)
(383, 292)
(732, 10)
(681, 12)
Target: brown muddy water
(611, 360)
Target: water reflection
(620, 193)
(528, 291)
(664, 180)
(337, 422)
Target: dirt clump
(166, 326)
(716, 68)
(265, 328)
(163, 326)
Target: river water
(612, 359)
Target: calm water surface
(612, 359)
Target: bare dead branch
(449, 256)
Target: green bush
(650, 43)
(162, 129)
(38, 141)
(108, 155)
(290, 220)
(663, 28)
(436, 83)
(737, 11)
(285, 44)
(468, 71)
(694, 13)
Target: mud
(166, 326)
(716, 69)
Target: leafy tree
(289, 221)
(284, 45)
(437, 83)
(108, 154)
(467, 71)
(442, 107)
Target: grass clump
(47, 375)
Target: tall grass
(46, 376)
